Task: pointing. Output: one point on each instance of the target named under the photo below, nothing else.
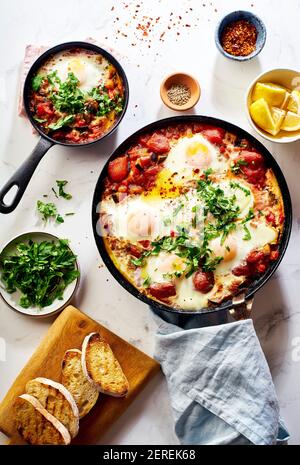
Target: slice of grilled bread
(36, 425)
(102, 368)
(57, 400)
(85, 394)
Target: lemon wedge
(273, 94)
(262, 116)
(291, 122)
(278, 116)
(294, 102)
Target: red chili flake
(239, 38)
(187, 25)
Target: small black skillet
(22, 176)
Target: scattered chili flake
(179, 94)
(239, 38)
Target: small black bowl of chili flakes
(240, 35)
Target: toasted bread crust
(85, 394)
(102, 368)
(36, 425)
(57, 400)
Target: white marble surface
(223, 82)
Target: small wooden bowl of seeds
(180, 91)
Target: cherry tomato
(118, 169)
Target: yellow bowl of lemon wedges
(273, 105)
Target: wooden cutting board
(67, 332)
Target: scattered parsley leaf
(47, 210)
(39, 120)
(65, 121)
(59, 219)
(147, 281)
(235, 185)
(236, 167)
(247, 235)
(61, 192)
(54, 191)
(177, 209)
(37, 82)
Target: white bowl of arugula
(39, 274)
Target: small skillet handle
(23, 175)
(242, 307)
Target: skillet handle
(23, 175)
(241, 308)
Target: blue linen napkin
(220, 385)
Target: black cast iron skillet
(24, 173)
(178, 316)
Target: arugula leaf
(41, 271)
(65, 121)
(61, 192)
(37, 82)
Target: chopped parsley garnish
(167, 221)
(61, 192)
(49, 210)
(66, 96)
(249, 217)
(105, 103)
(37, 82)
(222, 207)
(61, 122)
(177, 209)
(247, 235)
(41, 271)
(147, 281)
(39, 120)
(236, 167)
(54, 192)
(221, 217)
(235, 185)
(59, 219)
(69, 100)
